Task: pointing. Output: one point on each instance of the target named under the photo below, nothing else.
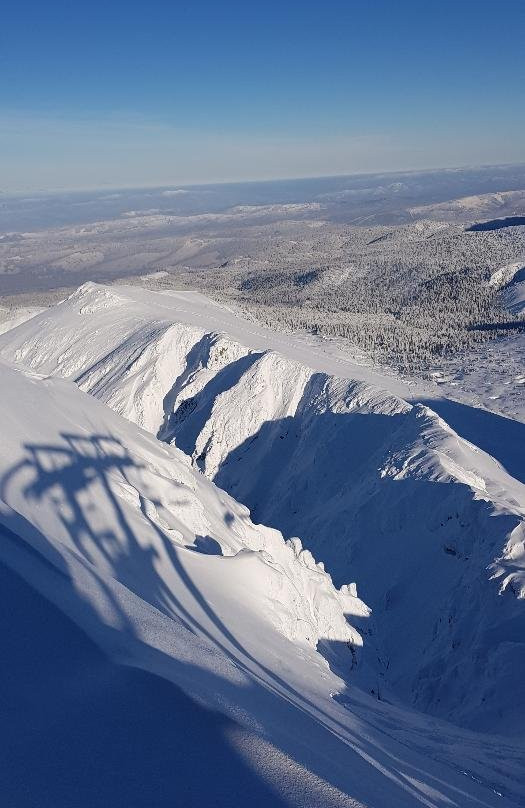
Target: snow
(514, 293)
(185, 507)
(477, 205)
(166, 309)
(505, 274)
(10, 318)
(118, 542)
(510, 279)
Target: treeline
(404, 295)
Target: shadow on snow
(83, 730)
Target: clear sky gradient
(123, 93)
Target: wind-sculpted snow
(381, 491)
(390, 492)
(167, 574)
(151, 630)
(514, 293)
(88, 491)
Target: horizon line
(258, 181)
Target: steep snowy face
(383, 492)
(510, 280)
(134, 511)
(513, 295)
(390, 492)
(208, 626)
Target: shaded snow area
(514, 293)
(510, 279)
(167, 648)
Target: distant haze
(129, 95)
(385, 197)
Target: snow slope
(382, 491)
(471, 207)
(160, 494)
(514, 293)
(505, 274)
(510, 279)
(10, 318)
(161, 648)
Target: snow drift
(120, 500)
(382, 491)
(159, 646)
(167, 575)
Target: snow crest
(384, 492)
(88, 487)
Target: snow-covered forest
(405, 295)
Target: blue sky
(108, 94)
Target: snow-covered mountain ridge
(207, 625)
(297, 595)
(380, 490)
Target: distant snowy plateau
(239, 569)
